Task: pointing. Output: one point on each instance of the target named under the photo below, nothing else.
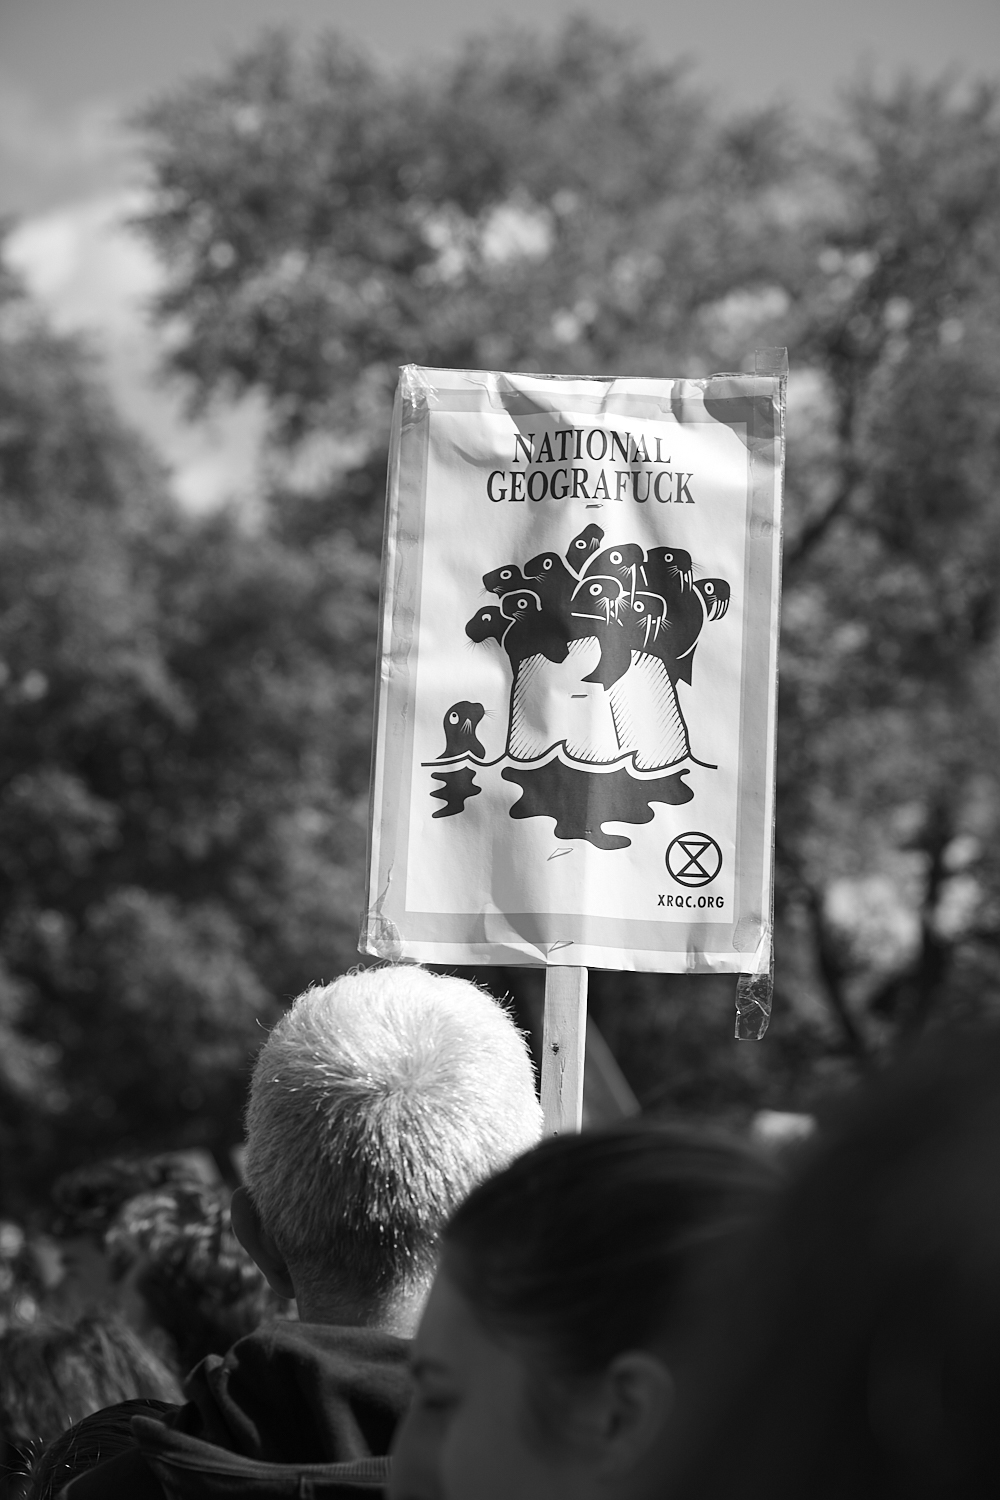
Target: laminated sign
(575, 733)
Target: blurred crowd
(411, 1293)
(131, 1279)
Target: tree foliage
(184, 707)
(560, 204)
(568, 205)
(888, 751)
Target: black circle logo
(693, 859)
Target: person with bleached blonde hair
(377, 1103)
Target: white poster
(574, 745)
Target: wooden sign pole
(564, 1042)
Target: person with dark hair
(542, 1364)
(377, 1102)
(90, 1442)
(152, 1236)
(55, 1374)
(176, 1248)
(863, 1360)
(86, 1199)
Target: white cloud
(87, 268)
(95, 276)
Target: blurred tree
(562, 204)
(888, 758)
(188, 702)
(182, 777)
(567, 205)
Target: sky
(73, 71)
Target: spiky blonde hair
(377, 1103)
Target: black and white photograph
(499, 750)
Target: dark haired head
(579, 1249)
(160, 1222)
(55, 1374)
(198, 1283)
(874, 1328)
(86, 1200)
(93, 1441)
(543, 1362)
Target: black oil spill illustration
(455, 790)
(581, 801)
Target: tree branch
(934, 959)
(851, 471)
(831, 970)
(829, 965)
(811, 535)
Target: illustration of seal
(460, 724)
(595, 599)
(594, 607)
(715, 596)
(667, 572)
(622, 562)
(643, 617)
(707, 600)
(685, 616)
(553, 582)
(503, 579)
(487, 624)
(532, 631)
(583, 545)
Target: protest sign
(576, 710)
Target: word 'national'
(610, 445)
(560, 468)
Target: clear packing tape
(755, 991)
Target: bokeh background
(225, 224)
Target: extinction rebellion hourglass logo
(694, 859)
